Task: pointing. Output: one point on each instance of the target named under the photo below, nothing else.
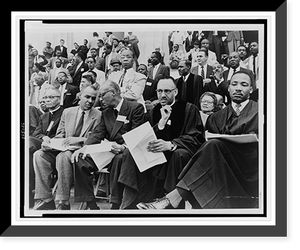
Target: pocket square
(126, 121)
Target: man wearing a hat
(116, 70)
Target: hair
(90, 57)
(169, 78)
(205, 50)
(158, 55)
(187, 62)
(89, 78)
(80, 54)
(108, 46)
(213, 96)
(101, 41)
(114, 86)
(86, 85)
(241, 45)
(51, 87)
(197, 42)
(61, 39)
(95, 34)
(143, 65)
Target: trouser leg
(44, 165)
(65, 175)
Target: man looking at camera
(178, 127)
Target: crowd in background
(201, 64)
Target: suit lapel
(88, 123)
(119, 124)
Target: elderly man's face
(166, 91)
(234, 60)
(183, 69)
(127, 59)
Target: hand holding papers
(58, 144)
(137, 141)
(100, 153)
(245, 138)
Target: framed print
(217, 171)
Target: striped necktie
(237, 109)
(202, 72)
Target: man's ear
(251, 89)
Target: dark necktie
(79, 125)
(202, 72)
(122, 79)
(116, 113)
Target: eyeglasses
(166, 91)
(104, 93)
(208, 102)
(50, 96)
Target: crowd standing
(100, 90)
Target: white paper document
(57, 144)
(245, 138)
(100, 153)
(137, 141)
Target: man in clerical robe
(179, 131)
(221, 172)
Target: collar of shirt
(52, 111)
(186, 77)
(86, 114)
(118, 108)
(243, 104)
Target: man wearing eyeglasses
(179, 132)
(118, 117)
(75, 125)
(45, 130)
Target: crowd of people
(99, 91)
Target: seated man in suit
(53, 73)
(155, 73)
(75, 125)
(118, 117)
(190, 86)
(68, 91)
(178, 127)
(45, 130)
(222, 168)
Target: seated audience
(45, 130)
(48, 51)
(221, 169)
(81, 67)
(212, 57)
(178, 128)
(38, 88)
(176, 56)
(53, 73)
(100, 75)
(63, 49)
(68, 91)
(110, 128)
(75, 125)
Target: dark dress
(221, 172)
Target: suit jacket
(69, 95)
(112, 128)
(190, 90)
(78, 74)
(133, 86)
(226, 72)
(209, 71)
(45, 120)
(64, 52)
(221, 89)
(67, 124)
(151, 84)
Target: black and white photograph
(136, 121)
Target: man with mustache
(221, 169)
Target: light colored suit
(45, 161)
(133, 86)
